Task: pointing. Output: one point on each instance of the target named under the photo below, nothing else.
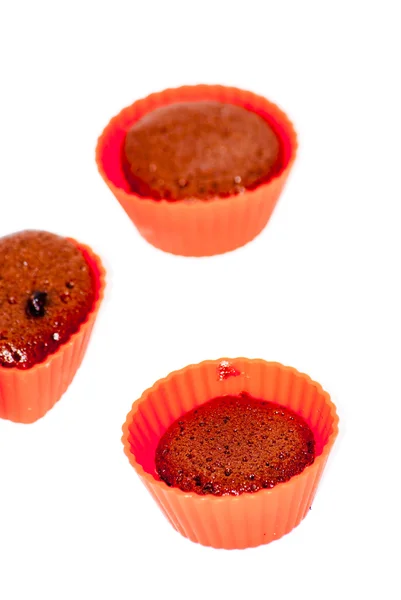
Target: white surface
(317, 290)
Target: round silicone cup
(27, 395)
(250, 519)
(196, 227)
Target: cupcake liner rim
(251, 97)
(316, 465)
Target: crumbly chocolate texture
(199, 150)
(234, 444)
(47, 290)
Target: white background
(318, 290)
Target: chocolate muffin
(234, 444)
(47, 290)
(199, 150)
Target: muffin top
(199, 150)
(46, 291)
(234, 444)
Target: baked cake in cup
(232, 450)
(51, 288)
(198, 169)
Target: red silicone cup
(196, 227)
(27, 395)
(230, 521)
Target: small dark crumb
(65, 297)
(207, 488)
(36, 303)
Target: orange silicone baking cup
(27, 395)
(230, 521)
(196, 227)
